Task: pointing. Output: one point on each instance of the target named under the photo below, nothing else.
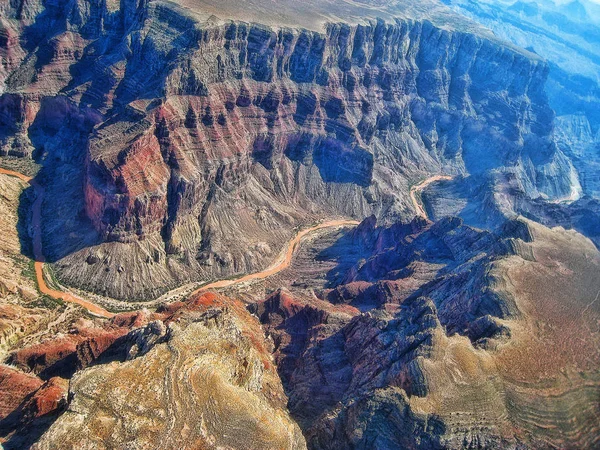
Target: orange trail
(419, 187)
(39, 254)
(25, 178)
(282, 263)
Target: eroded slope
(465, 338)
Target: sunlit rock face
(444, 336)
(193, 375)
(201, 379)
(165, 119)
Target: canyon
(436, 339)
(328, 224)
(206, 140)
(567, 35)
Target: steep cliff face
(345, 109)
(196, 117)
(331, 113)
(568, 36)
(575, 135)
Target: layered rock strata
(205, 141)
(451, 337)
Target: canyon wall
(567, 35)
(204, 142)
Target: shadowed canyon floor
(38, 252)
(416, 190)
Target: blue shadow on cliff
(60, 136)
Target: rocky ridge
(451, 333)
(209, 347)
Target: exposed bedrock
(193, 375)
(215, 135)
(445, 336)
(363, 109)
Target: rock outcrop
(458, 338)
(195, 375)
(203, 380)
(28, 405)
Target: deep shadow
(582, 215)
(292, 338)
(446, 261)
(347, 251)
(83, 357)
(465, 197)
(469, 199)
(25, 434)
(336, 376)
(60, 134)
(370, 252)
(24, 221)
(340, 163)
(318, 364)
(474, 205)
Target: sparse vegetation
(29, 270)
(47, 302)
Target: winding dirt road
(418, 188)
(282, 262)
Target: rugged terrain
(567, 34)
(188, 376)
(443, 336)
(26, 318)
(200, 378)
(25, 314)
(179, 145)
(328, 224)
